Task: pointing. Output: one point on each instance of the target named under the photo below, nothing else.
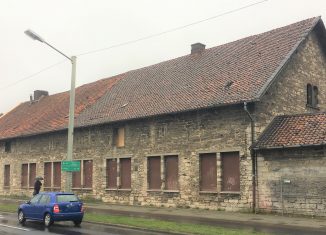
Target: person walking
(37, 185)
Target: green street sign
(70, 165)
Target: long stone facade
(186, 136)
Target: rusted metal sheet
(230, 171)
(171, 172)
(7, 176)
(154, 172)
(125, 173)
(208, 172)
(24, 176)
(57, 175)
(111, 173)
(88, 173)
(76, 179)
(47, 174)
(32, 174)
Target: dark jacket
(37, 187)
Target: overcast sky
(79, 26)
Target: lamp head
(33, 35)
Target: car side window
(35, 199)
(45, 199)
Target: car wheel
(77, 222)
(48, 221)
(21, 217)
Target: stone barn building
(291, 156)
(174, 134)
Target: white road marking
(7, 226)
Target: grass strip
(153, 224)
(160, 225)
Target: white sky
(79, 26)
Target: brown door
(111, 173)
(125, 173)
(171, 172)
(88, 174)
(208, 172)
(57, 175)
(230, 171)
(154, 173)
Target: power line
(172, 30)
(32, 75)
(139, 39)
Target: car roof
(56, 193)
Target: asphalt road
(9, 225)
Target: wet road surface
(10, 226)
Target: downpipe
(253, 156)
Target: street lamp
(72, 59)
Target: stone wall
(186, 135)
(292, 181)
(288, 94)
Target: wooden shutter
(24, 176)
(76, 179)
(111, 173)
(121, 137)
(230, 171)
(154, 173)
(57, 175)
(125, 173)
(47, 174)
(171, 172)
(88, 173)
(208, 172)
(32, 174)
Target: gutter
(253, 156)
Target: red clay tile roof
(294, 131)
(231, 73)
(227, 74)
(50, 113)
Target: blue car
(52, 206)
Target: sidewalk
(207, 217)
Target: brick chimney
(39, 93)
(197, 48)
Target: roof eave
(289, 146)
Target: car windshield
(67, 198)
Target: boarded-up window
(8, 147)
(125, 173)
(309, 94)
(312, 95)
(111, 173)
(230, 171)
(6, 182)
(171, 172)
(57, 174)
(47, 174)
(208, 172)
(119, 136)
(88, 173)
(32, 174)
(154, 172)
(24, 176)
(76, 179)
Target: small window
(230, 171)
(32, 174)
(56, 174)
(208, 172)
(7, 146)
(24, 176)
(111, 173)
(47, 174)
(154, 173)
(45, 199)
(312, 96)
(171, 172)
(119, 137)
(6, 182)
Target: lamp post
(72, 59)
